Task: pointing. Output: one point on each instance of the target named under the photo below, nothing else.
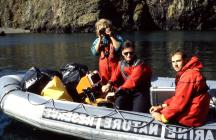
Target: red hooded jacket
(190, 104)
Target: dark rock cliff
(65, 16)
(183, 14)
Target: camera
(102, 31)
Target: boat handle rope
(12, 90)
(116, 110)
(50, 101)
(43, 103)
(166, 127)
(81, 105)
(186, 131)
(53, 104)
(11, 84)
(139, 126)
(107, 115)
(77, 107)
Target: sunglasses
(126, 53)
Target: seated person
(134, 92)
(190, 104)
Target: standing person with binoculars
(106, 45)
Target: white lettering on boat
(129, 126)
(195, 134)
(107, 123)
(126, 125)
(98, 123)
(70, 117)
(116, 124)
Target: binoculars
(102, 31)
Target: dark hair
(179, 51)
(128, 44)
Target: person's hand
(156, 116)
(110, 96)
(101, 32)
(106, 88)
(155, 109)
(108, 32)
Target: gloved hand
(106, 88)
(110, 97)
(119, 92)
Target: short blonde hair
(103, 23)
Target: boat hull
(89, 122)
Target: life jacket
(124, 63)
(107, 51)
(145, 73)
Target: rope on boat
(186, 131)
(116, 110)
(166, 127)
(81, 105)
(12, 90)
(139, 126)
(97, 116)
(10, 84)
(43, 103)
(53, 104)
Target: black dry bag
(71, 75)
(34, 80)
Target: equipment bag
(55, 89)
(34, 80)
(88, 81)
(71, 75)
(73, 72)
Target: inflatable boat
(90, 122)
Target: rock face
(184, 14)
(65, 16)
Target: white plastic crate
(160, 94)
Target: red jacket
(190, 104)
(135, 76)
(107, 64)
(109, 58)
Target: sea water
(19, 52)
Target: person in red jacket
(190, 104)
(135, 76)
(106, 45)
